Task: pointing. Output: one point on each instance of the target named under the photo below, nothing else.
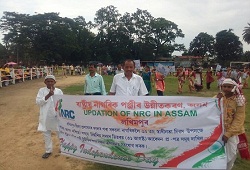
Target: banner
(165, 70)
(218, 68)
(144, 132)
(137, 64)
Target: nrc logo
(68, 114)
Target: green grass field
(171, 89)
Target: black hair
(128, 60)
(93, 64)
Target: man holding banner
(94, 83)
(47, 120)
(128, 84)
(234, 117)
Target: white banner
(137, 64)
(165, 70)
(147, 132)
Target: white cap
(50, 77)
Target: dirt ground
(21, 145)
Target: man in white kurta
(48, 121)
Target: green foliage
(58, 39)
(202, 44)
(3, 54)
(246, 56)
(246, 34)
(46, 37)
(228, 47)
(163, 34)
(137, 35)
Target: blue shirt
(94, 84)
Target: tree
(16, 40)
(246, 34)
(140, 30)
(202, 45)
(162, 36)
(53, 38)
(107, 22)
(227, 47)
(141, 20)
(47, 37)
(246, 56)
(3, 54)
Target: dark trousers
(208, 85)
(159, 93)
(96, 93)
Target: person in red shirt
(209, 78)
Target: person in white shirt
(128, 83)
(71, 69)
(94, 84)
(119, 69)
(47, 119)
(109, 69)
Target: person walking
(48, 119)
(159, 83)
(71, 70)
(64, 73)
(180, 74)
(191, 80)
(147, 78)
(209, 77)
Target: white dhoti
(231, 150)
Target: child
(159, 83)
(234, 117)
(47, 119)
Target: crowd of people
(127, 83)
(192, 77)
(11, 75)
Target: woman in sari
(147, 78)
(191, 77)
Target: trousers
(48, 141)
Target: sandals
(46, 155)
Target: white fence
(21, 75)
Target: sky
(191, 16)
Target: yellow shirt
(7, 70)
(234, 117)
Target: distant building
(167, 64)
(188, 61)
